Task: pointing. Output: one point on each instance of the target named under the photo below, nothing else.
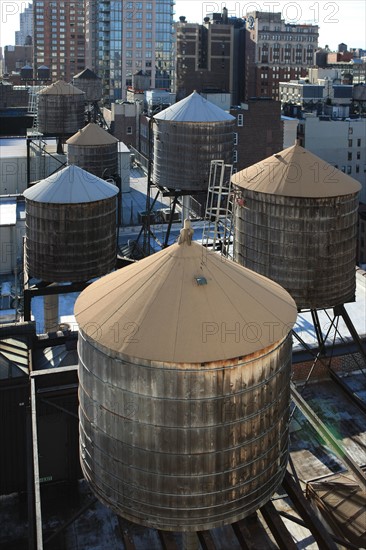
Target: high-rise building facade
(210, 56)
(276, 52)
(24, 36)
(123, 38)
(59, 37)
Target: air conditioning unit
(143, 217)
(166, 215)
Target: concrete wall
(13, 171)
(11, 246)
(331, 140)
(124, 161)
(289, 131)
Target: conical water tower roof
(71, 185)
(92, 134)
(295, 172)
(185, 304)
(60, 88)
(194, 108)
(87, 74)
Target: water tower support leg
(190, 540)
(342, 312)
(318, 330)
(175, 200)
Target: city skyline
(342, 21)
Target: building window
(358, 155)
(357, 168)
(350, 141)
(240, 120)
(349, 169)
(129, 130)
(359, 142)
(235, 138)
(235, 157)
(349, 156)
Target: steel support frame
(313, 523)
(338, 311)
(328, 437)
(31, 142)
(45, 289)
(302, 523)
(277, 527)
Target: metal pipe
(37, 492)
(30, 484)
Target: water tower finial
(186, 233)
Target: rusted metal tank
(70, 226)
(187, 136)
(296, 223)
(184, 369)
(60, 109)
(94, 150)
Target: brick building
(15, 57)
(276, 52)
(59, 37)
(258, 132)
(210, 56)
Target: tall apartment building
(25, 34)
(276, 52)
(59, 37)
(123, 38)
(210, 56)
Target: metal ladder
(33, 106)
(218, 224)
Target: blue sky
(340, 21)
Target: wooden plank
(206, 540)
(127, 539)
(277, 527)
(304, 509)
(243, 535)
(167, 540)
